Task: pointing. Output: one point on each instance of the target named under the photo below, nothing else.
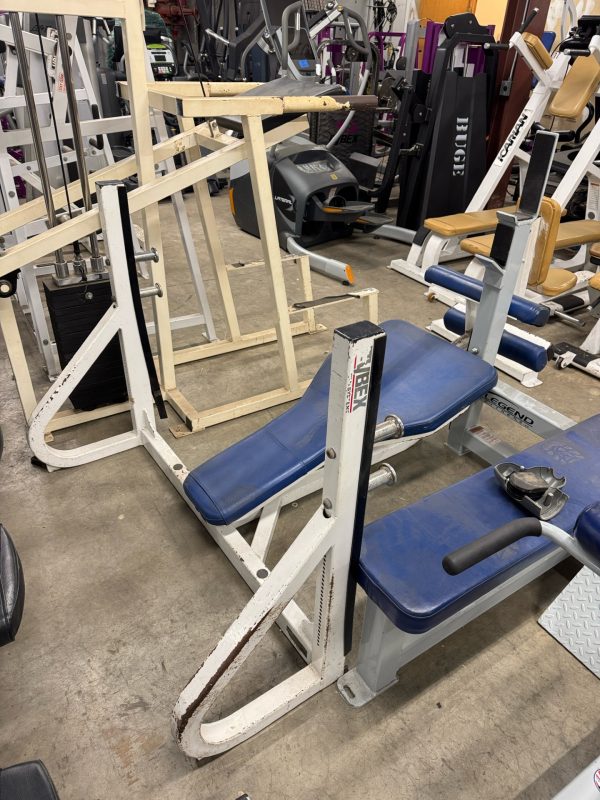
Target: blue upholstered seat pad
(401, 559)
(426, 382)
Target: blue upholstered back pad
(401, 559)
(247, 474)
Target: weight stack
(74, 313)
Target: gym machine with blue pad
(425, 381)
(584, 545)
(400, 566)
(234, 482)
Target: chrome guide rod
(97, 262)
(62, 269)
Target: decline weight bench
(277, 465)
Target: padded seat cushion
(478, 245)
(12, 589)
(466, 222)
(545, 241)
(27, 781)
(557, 281)
(426, 382)
(400, 565)
(570, 234)
(594, 282)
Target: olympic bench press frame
(248, 559)
(464, 434)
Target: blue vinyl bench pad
(401, 559)
(426, 382)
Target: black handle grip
(474, 552)
(496, 46)
(528, 21)
(576, 51)
(364, 101)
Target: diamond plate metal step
(573, 619)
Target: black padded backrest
(27, 781)
(12, 590)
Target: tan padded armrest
(569, 234)
(557, 281)
(537, 49)
(577, 89)
(465, 223)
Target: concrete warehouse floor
(126, 594)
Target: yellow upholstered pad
(465, 223)
(595, 282)
(570, 234)
(545, 241)
(537, 49)
(557, 281)
(577, 89)
(478, 245)
(581, 231)
(595, 250)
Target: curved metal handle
(286, 45)
(348, 14)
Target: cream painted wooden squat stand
(189, 101)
